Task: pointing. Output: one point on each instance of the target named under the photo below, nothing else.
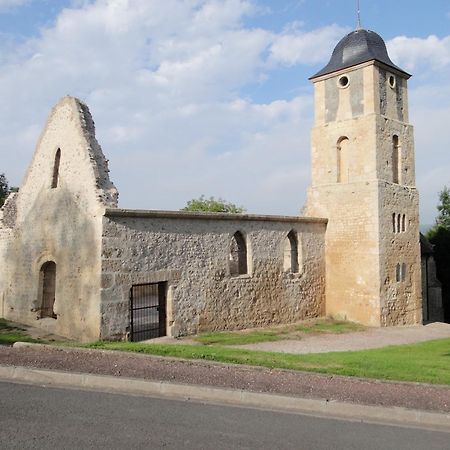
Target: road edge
(197, 393)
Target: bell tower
(363, 181)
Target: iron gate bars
(147, 311)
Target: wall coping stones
(157, 214)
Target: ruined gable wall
(192, 255)
(60, 224)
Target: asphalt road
(34, 417)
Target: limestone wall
(352, 249)
(57, 217)
(400, 269)
(363, 180)
(191, 252)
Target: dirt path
(371, 338)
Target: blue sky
(214, 94)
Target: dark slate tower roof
(358, 47)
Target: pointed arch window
(47, 287)
(342, 156)
(291, 260)
(55, 178)
(238, 255)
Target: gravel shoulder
(361, 340)
(291, 383)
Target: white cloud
(7, 5)
(165, 97)
(428, 59)
(295, 46)
(164, 81)
(411, 53)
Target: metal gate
(147, 311)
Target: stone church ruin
(75, 264)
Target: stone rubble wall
(191, 253)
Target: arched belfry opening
(238, 254)
(342, 159)
(55, 178)
(291, 253)
(47, 288)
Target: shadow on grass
(10, 333)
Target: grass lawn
(427, 362)
(12, 332)
(296, 331)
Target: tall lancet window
(55, 178)
(291, 253)
(396, 160)
(342, 160)
(238, 255)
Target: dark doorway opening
(147, 311)
(47, 283)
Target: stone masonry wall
(191, 252)
(61, 223)
(400, 269)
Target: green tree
(211, 204)
(443, 219)
(4, 189)
(439, 236)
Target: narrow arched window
(398, 273)
(399, 218)
(404, 223)
(47, 277)
(403, 272)
(394, 228)
(55, 178)
(238, 254)
(342, 157)
(291, 253)
(396, 160)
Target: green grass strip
(10, 333)
(237, 338)
(427, 362)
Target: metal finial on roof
(358, 23)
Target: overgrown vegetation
(211, 204)
(439, 236)
(427, 362)
(11, 332)
(4, 189)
